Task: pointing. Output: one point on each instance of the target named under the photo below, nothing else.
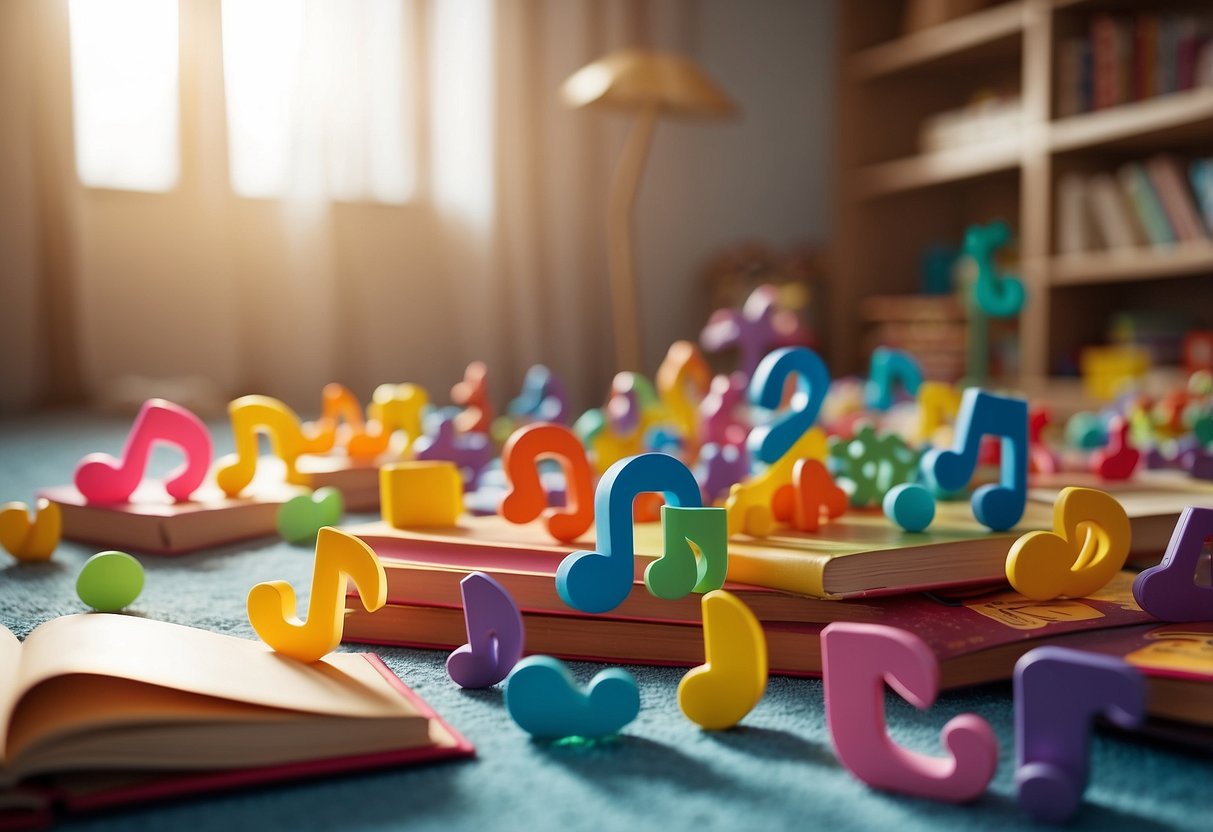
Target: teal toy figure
(988, 293)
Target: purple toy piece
(495, 634)
(1058, 691)
(721, 466)
(471, 452)
(752, 330)
(1170, 590)
(718, 408)
(623, 411)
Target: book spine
(1185, 54)
(1069, 77)
(1073, 234)
(1112, 219)
(1145, 202)
(1125, 62)
(1146, 57)
(1176, 202)
(1200, 172)
(1103, 59)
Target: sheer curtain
(277, 276)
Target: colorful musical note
(542, 398)
(340, 558)
(811, 494)
(998, 507)
(1086, 549)
(857, 660)
(910, 506)
(417, 494)
(598, 581)
(495, 634)
(1057, 694)
(683, 380)
(718, 410)
(998, 295)
(771, 441)
(720, 692)
(394, 407)
(753, 330)
(30, 541)
(471, 452)
(338, 404)
(720, 467)
(750, 505)
(109, 581)
(1119, 459)
(472, 394)
(105, 480)
(251, 415)
(1041, 459)
(526, 499)
(1170, 591)
(695, 557)
(938, 404)
(889, 367)
(542, 697)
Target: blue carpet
(776, 771)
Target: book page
(10, 659)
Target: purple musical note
(495, 634)
(1170, 590)
(471, 452)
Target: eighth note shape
(721, 691)
(102, 479)
(1171, 591)
(495, 634)
(340, 558)
(526, 500)
(251, 415)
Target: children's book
(101, 710)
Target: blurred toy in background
(990, 291)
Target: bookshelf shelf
(1181, 260)
(993, 31)
(1168, 118)
(937, 168)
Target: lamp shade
(633, 79)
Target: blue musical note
(772, 441)
(889, 366)
(998, 297)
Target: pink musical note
(103, 479)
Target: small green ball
(110, 581)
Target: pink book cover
(1176, 201)
(176, 785)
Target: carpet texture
(776, 771)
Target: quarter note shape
(751, 505)
(1041, 459)
(718, 410)
(683, 380)
(1057, 693)
(857, 660)
(526, 500)
(1170, 591)
(337, 404)
(495, 634)
(542, 398)
(598, 581)
(103, 480)
(720, 692)
(394, 407)
(695, 557)
(771, 441)
(340, 558)
(472, 394)
(542, 697)
(813, 493)
(999, 296)
(29, 541)
(1119, 459)
(251, 415)
(753, 329)
(887, 368)
(938, 404)
(1088, 545)
(998, 507)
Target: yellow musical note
(251, 415)
(721, 691)
(394, 407)
(338, 404)
(748, 505)
(938, 404)
(684, 371)
(340, 558)
(27, 540)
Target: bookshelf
(894, 200)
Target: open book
(97, 710)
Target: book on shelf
(1146, 204)
(1200, 174)
(1169, 184)
(1115, 222)
(1074, 232)
(104, 710)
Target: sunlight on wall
(124, 93)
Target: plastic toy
(1119, 459)
(683, 380)
(751, 330)
(417, 494)
(544, 700)
(1170, 591)
(720, 692)
(31, 540)
(495, 634)
(890, 367)
(717, 411)
(526, 500)
(394, 407)
(337, 404)
(542, 399)
(251, 415)
(720, 466)
(471, 452)
(938, 404)
(472, 394)
(867, 465)
(110, 581)
(302, 517)
(910, 506)
(695, 556)
(811, 494)
(771, 441)
(751, 504)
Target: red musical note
(1118, 460)
(472, 394)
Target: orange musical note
(750, 503)
(394, 407)
(251, 415)
(340, 558)
(811, 493)
(683, 380)
(472, 394)
(339, 404)
(526, 499)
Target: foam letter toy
(338, 404)
(417, 494)
(495, 634)
(695, 557)
(857, 659)
(526, 499)
(251, 415)
(998, 297)
(998, 507)
(751, 505)
(394, 407)
(598, 581)
(890, 366)
(770, 442)
(103, 479)
(304, 515)
(472, 394)
(339, 558)
(544, 700)
(110, 581)
(1087, 547)
(1169, 591)
(721, 691)
(683, 380)
(1119, 459)
(1058, 692)
(29, 541)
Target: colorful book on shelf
(1115, 220)
(1200, 173)
(1150, 213)
(976, 639)
(1168, 182)
(107, 710)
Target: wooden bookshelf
(894, 201)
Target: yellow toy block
(420, 493)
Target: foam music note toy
(752, 330)
(394, 407)
(1041, 460)
(811, 494)
(718, 410)
(544, 700)
(1170, 590)
(1119, 459)
(719, 693)
(938, 404)
(338, 405)
(1086, 549)
(998, 295)
(30, 541)
(997, 507)
(471, 452)
(1057, 694)
(857, 660)
(750, 506)
(887, 368)
(683, 380)
(771, 441)
(102, 479)
(598, 581)
(495, 634)
(720, 467)
(251, 415)
(526, 500)
(909, 505)
(340, 558)
(695, 556)
(472, 394)
(542, 399)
